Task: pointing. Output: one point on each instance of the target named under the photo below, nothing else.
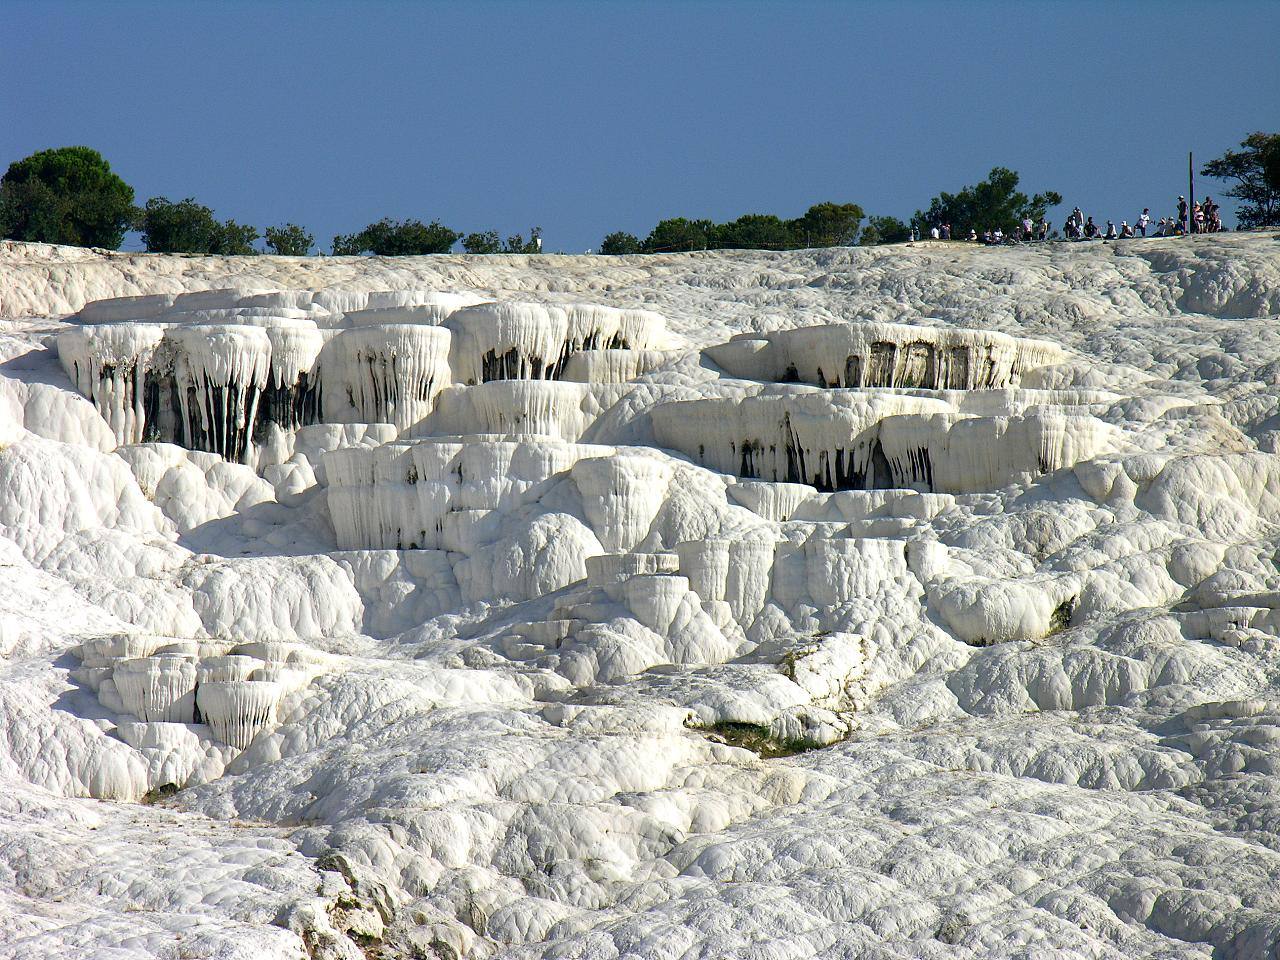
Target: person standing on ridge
(1182, 213)
(1143, 219)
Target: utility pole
(1191, 193)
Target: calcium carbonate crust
(919, 601)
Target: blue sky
(589, 117)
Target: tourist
(1197, 219)
(1028, 228)
(1182, 213)
(1125, 229)
(1090, 229)
(973, 234)
(1111, 231)
(934, 232)
(946, 231)
(1143, 219)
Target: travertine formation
(826, 604)
(887, 355)
(214, 371)
(233, 689)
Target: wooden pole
(1191, 193)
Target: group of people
(1204, 217)
(1029, 232)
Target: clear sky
(585, 118)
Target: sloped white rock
(591, 699)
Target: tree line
(70, 195)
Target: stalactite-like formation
(110, 365)
(886, 355)
(214, 368)
(220, 373)
(532, 341)
(851, 440)
(162, 681)
(385, 374)
(417, 494)
(236, 710)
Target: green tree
(995, 202)
(289, 240)
(518, 244)
(67, 195)
(190, 227)
(679, 235)
(1256, 172)
(752, 231)
(486, 242)
(828, 225)
(884, 230)
(397, 238)
(620, 242)
(1271, 164)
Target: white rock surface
(905, 602)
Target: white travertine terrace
(236, 710)
(234, 690)
(108, 364)
(210, 376)
(855, 440)
(424, 494)
(384, 374)
(887, 355)
(531, 341)
(841, 603)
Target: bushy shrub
(190, 227)
(289, 240)
(518, 244)
(884, 230)
(397, 238)
(487, 241)
(619, 243)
